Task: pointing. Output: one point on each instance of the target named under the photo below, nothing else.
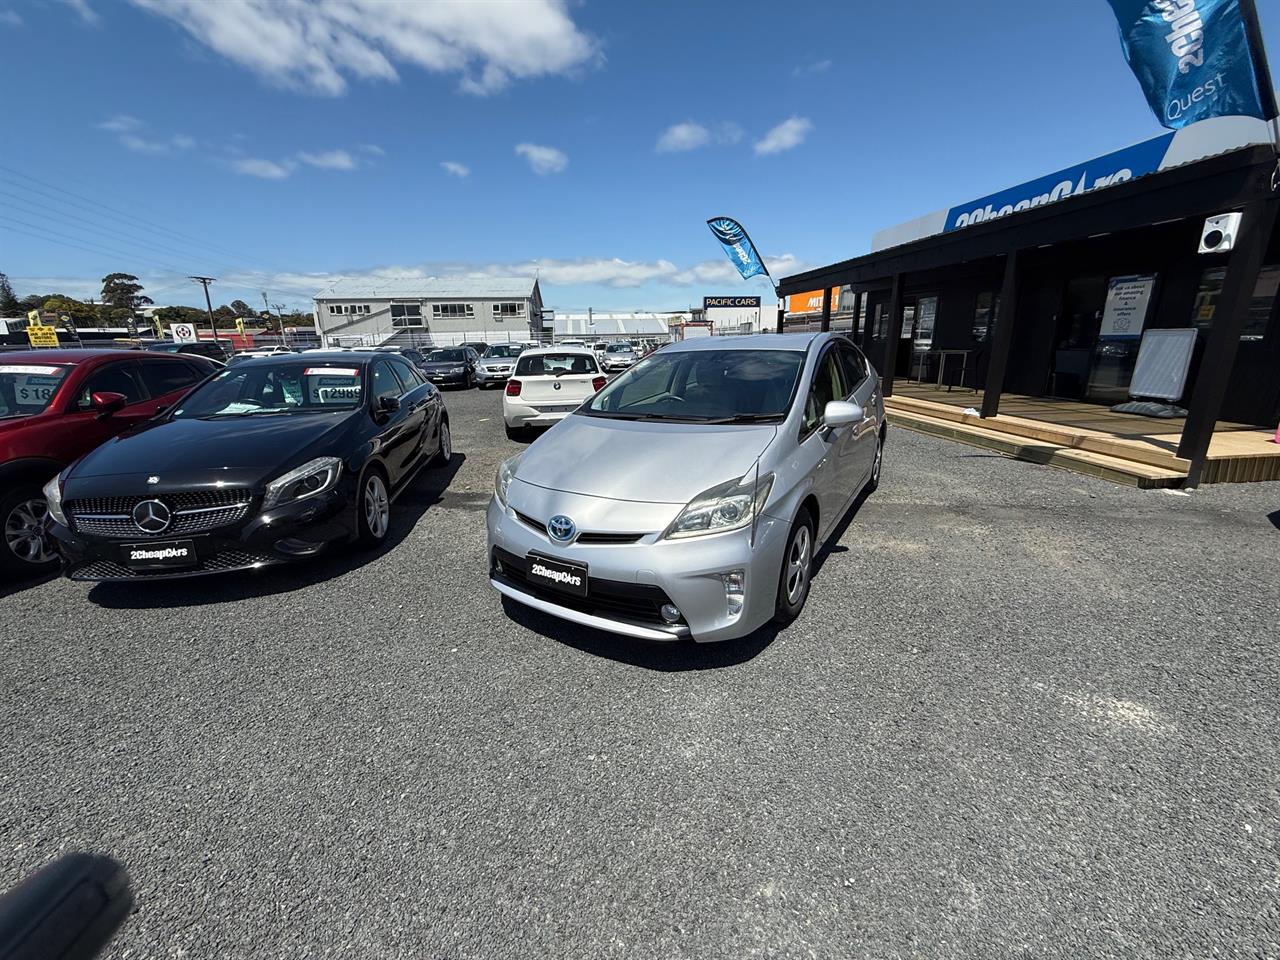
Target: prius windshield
(259, 389)
(705, 386)
(27, 388)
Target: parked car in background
(269, 462)
(548, 384)
(497, 362)
(479, 346)
(599, 348)
(618, 356)
(452, 366)
(219, 350)
(761, 443)
(56, 406)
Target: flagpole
(1262, 71)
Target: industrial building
(377, 311)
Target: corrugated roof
(611, 325)
(427, 288)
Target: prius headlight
(317, 476)
(506, 473)
(728, 506)
(53, 500)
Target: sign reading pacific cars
(709, 303)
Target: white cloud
(543, 160)
(455, 169)
(86, 12)
(266, 169)
(683, 136)
(10, 18)
(373, 149)
(692, 136)
(786, 135)
(120, 123)
(329, 160)
(131, 134)
(317, 45)
(820, 66)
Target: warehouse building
(1127, 305)
(379, 311)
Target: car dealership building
(1145, 279)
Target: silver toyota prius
(688, 497)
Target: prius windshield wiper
(675, 417)
(748, 418)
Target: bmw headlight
(728, 506)
(316, 476)
(53, 499)
(506, 473)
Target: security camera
(1219, 233)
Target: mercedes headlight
(506, 473)
(317, 476)
(53, 500)
(728, 506)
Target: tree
(81, 314)
(9, 306)
(122, 290)
(242, 309)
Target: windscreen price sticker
(332, 384)
(32, 386)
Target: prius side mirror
(107, 403)
(841, 413)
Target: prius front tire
(797, 569)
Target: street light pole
(204, 282)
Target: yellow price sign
(41, 336)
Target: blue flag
(738, 246)
(1197, 59)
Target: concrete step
(1045, 433)
(1115, 469)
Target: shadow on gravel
(10, 587)
(1273, 517)
(673, 656)
(427, 490)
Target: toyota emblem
(561, 528)
(152, 516)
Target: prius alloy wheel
(797, 569)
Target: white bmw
(547, 385)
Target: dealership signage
(1136, 161)
(183, 333)
(1128, 299)
(811, 302)
(710, 303)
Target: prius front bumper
(629, 582)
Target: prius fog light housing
(735, 592)
(670, 613)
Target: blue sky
(275, 146)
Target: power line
(75, 242)
(121, 213)
(31, 208)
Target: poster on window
(1128, 299)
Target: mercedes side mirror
(841, 413)
(388, 404)
(107, 403)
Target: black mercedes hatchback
(270, 461)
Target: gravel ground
(1024, 714)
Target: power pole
(204, 282)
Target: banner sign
(738, 247)
(1136, 161)
(1126, 311)
(709, 303)
(811, 302)
(41, 336)
(183, 333)
(1196, 59)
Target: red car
(56, 406)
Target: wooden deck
(1070, 433)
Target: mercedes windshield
(275, 388)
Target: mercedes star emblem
(152, 516)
